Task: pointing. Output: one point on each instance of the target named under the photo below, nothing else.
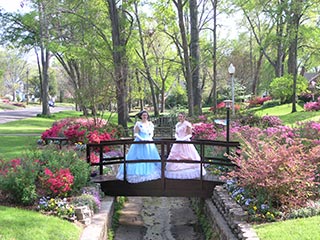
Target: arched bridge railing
(106, 157)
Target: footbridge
(106, 157)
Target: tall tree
(195, 57)
(120, 36)
(143, 57)
(44, 36)
(186, 59)
(267, 22)
(295, 14)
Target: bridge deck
(161, 187)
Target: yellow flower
(255, 208)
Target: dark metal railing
(207, 155)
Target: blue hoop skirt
(141, 172)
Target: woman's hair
(182, 113)
(142, 112)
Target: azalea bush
(59, 182)
(312, 106)
(43, 172)
(309, 131)
(278, 169)
(286, 180)
(204, 131)
(258, 101)
(84, 130)
(221, 107)
(271, 121)
(55, 160)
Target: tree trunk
(256, 74)
(120, 63)
(44, 55)
(195, 57)
(214, 55)
(186, 63)
(293, 29)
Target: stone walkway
(158, 218)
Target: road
(13, 115)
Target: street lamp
(27, 86)
(228, 106)
(231, 70)
(313, 87)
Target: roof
(312, 76)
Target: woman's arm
(188, 132)
(151, 130)
(136, 131)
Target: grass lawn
(284, 113)
(22, 224)
(23, 134)
(297, 229)
(14, 146)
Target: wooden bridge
(109, 154)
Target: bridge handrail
(165, 146)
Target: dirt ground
(158, 218)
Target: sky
(11, 5)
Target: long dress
(141, 172)
(181, 151)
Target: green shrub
(281, 87)
(311, 210)
(270, 103)
(55, 160)
(18, 179)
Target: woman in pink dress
(180, 151)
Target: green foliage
(18, 179)
(178, 97)
(198, 205)
(58, 159)
(313, 209)
(116, 215)
(270, 103)
(281, 88)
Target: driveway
(13, 115)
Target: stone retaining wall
(227, 217)
(100, 222)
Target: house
(314, 83)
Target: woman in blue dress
(141, 172)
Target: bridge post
(228, 105)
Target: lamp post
(231, 70)
(228, 105)
(313, 87)
(27, 86)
